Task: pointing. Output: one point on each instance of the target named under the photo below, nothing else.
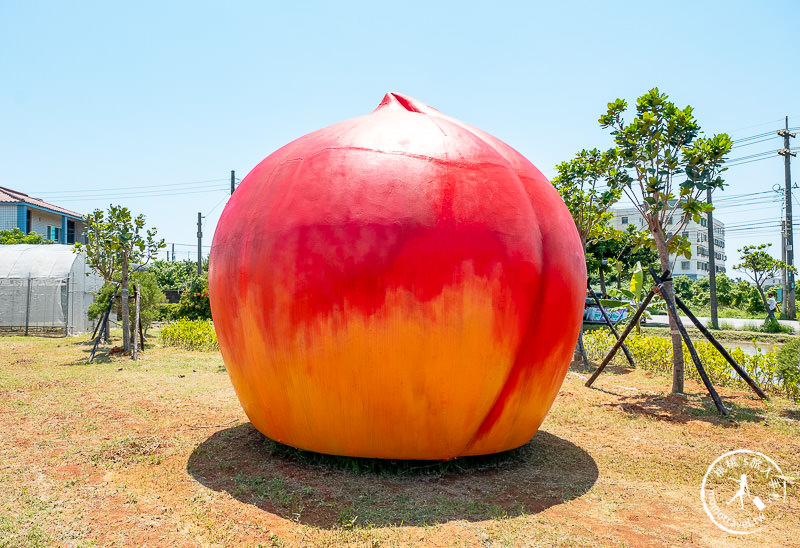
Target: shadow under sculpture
(325, 491)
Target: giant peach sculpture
(400, 285)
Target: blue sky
(104, 103)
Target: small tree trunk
(669, 293)
(603, 292)
(126, 311)
(135, 330)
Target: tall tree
(115, 241)
(667, 170)
(760, 266)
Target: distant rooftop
(10, 196)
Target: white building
(697, 266)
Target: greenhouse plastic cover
(45, 289)
(36, 261)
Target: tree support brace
(103, 323)
(609, 323)
(665, 277)
(695, 358)
(621, 339)
(742, 373)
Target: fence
(35, 306)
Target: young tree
(115, 240)
(760, 266)
(16, 236)
(151, 295)
(583, 185)
(658, 148)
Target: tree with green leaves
(760, 266)
(584, 185)
(115, 241)
(149, 292)
(16, 236)
(175, 275)
(667, 167)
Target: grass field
(159, 453)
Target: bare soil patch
(158, 452)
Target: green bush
(190, 334)
(168, 312)
(194, 303)
(655, 354)
(149, 309)
(788, 368)
(173, 274)
(774, 326)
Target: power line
(106, 190)
(755, 142)
(151, 194)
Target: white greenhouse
(45, 290)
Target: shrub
(788, 368)
(149, 309)
(173, 274)
(774, 326)
(194, 303)
(655, 354)
(168, 312)
(190, 334)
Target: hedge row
(777, 371)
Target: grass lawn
(159, 453)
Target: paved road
(735, 322)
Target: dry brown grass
(159, 453)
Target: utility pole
(787, 153)
(784, 293)
(199, 244)
(173, 252)
(233, 181)
(712, 266)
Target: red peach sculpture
(400, 285)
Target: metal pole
(789, 237)
(786, 152)
(66, 312)
(712, 267)
(233, 181)
(199, 244)
(28, 308)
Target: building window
(70, 232)
(28, 222)
(703, 222)
(685, 234)
(624, 220)
(53, 233)
(685, 265)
